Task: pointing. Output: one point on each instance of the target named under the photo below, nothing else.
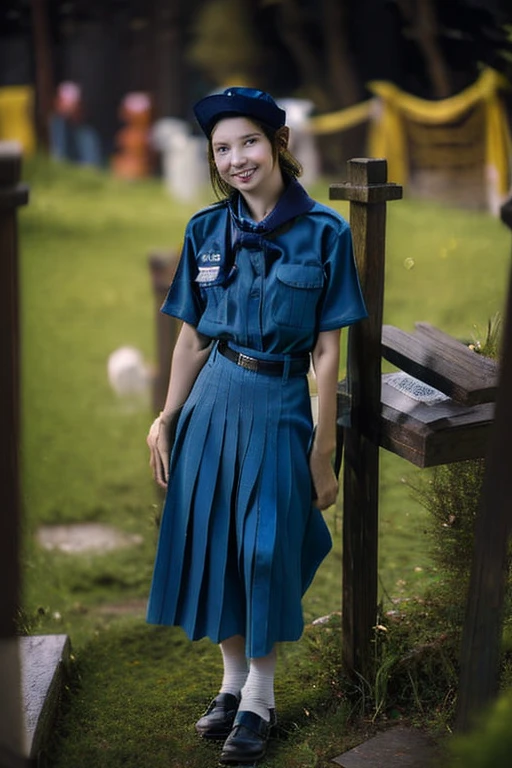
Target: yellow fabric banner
(388, 137)
(343, 118)
(16, 116)
(391, 109)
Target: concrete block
(43, 658)
(398, 747)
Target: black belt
(297, 365)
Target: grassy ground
(135, 690)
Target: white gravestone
(183, 157)
(302, 140)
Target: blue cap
(238, 102)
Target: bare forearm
(326, 364)
(190, 354)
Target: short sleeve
(342, 302)
(183, 298)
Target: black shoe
(248, 740)
(217, 721)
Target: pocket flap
(300, 276)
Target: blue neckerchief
(293, 202)
(243, 232)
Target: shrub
(490, 744)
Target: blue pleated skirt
(240, 539)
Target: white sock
(258, 691)
(235, 665)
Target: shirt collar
(293, 202)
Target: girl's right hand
(325, 482)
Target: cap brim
(213, 108)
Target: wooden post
(368, 191)
(481, 637)
(12, 195)
(162, 267)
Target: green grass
(135, 690)
(154, 702)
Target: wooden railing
(454, 426)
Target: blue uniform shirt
(270, 286)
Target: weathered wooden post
(368, 191)
(481, 639)
(162, 267)
(12, 195)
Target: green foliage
(225, 46)
(451, 496)
(489, 745)
(135, 691)
(416, 663)
(489, 343)
(413, 674)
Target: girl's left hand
(324, 480)
(158, 444)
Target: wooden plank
(480, 365)
(460, 439)
(378, 193)
(429, 435)
(443, 362)
(361, 466)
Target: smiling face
(244, 157)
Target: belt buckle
(249, 363)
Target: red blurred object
(68, 101)
(133, 157)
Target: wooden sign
(443, 362)
(451, 421)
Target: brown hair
(289, 165)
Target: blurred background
(112, 83)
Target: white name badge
(207, 274)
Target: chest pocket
(215, 297)
(296, 295)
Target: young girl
(265, 281)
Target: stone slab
(79, 538)
(398, 747)
(42, 661)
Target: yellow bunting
(466, 129)
(446, 110)
(343, 118)
(399, 109)
(16, 116)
